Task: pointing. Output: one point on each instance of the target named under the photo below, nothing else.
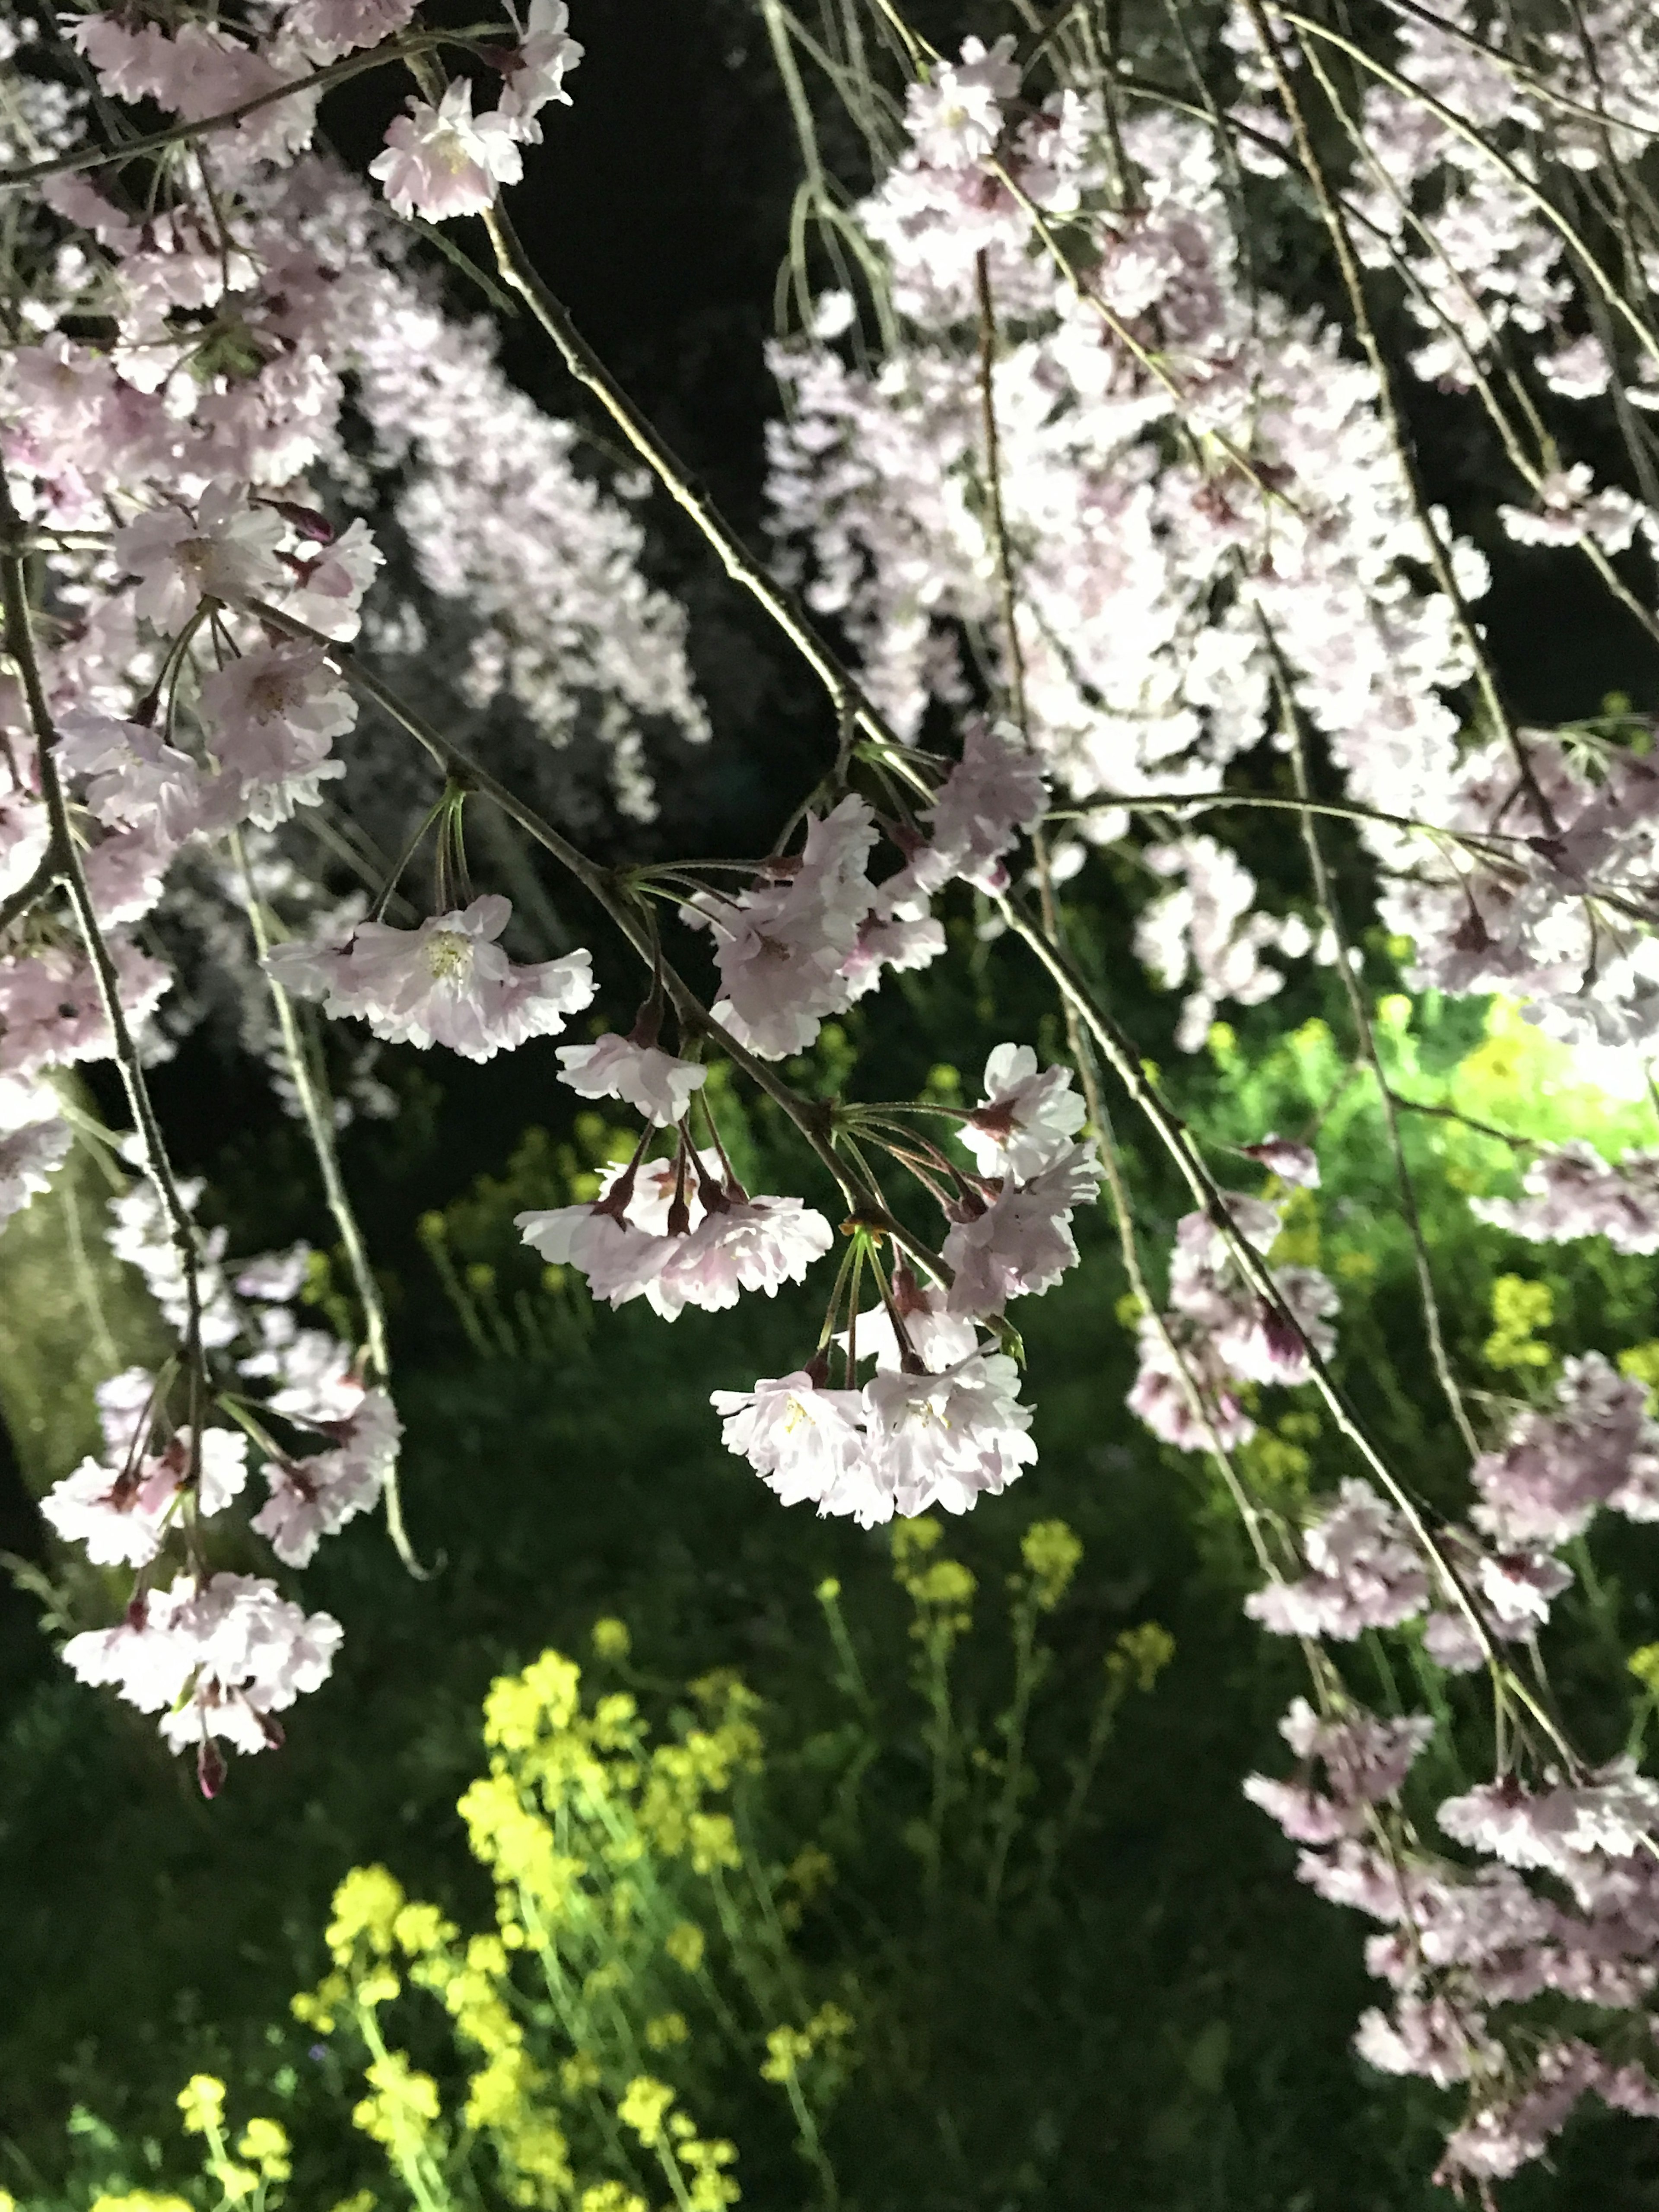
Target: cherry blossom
(270, 716)
(31, 1152)
(675, 1235)
(802, 1440)
(654, 1083)
(1026, 1119)
(943, 1439)
(444, 161)
(329, 28)
(51, 1013)
(1020, 1244)
(536, 73)
(121, 1513)
(781, 948)
(906, 1441)
(1572, 1192)
(1366, 1573)
(226, 550)
(448, 982)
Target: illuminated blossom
(444, 161)
(448, 982)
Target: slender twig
(1394, 421)
(178, 134)
(1292, 724)
(319, 1127)
(599, 884)
(846, 695)
(19, 644)
(1481, 140)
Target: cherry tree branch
(179, 134)
(847, 696)
(602, 887)
(319, 1127)
(66, 861)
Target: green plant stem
(1006, 1819)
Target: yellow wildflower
(202, 2101)
(666, 2030)
(612, 1640)
(645, 2106)
(421, 1928)
(366, 1905)
(404, 2102)
(135, 2200)
(1143, 1652)
(318, 2008)
(265, 2142)
(611, 2196)
(714, 1842)
(1051, 1552)
(684, 1945)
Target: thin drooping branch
(1353, 284)
(179, 134)
(601, 885)
(1481, 141)
(846, 694)
(1126, 1063)
(1324, 892)
(314, 1106)
(66, 860)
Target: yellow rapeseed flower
(684, 1945)
(366, 1906)
(265, 2142)
(612, 1640)
(644, 2107)
(404, 2102)
(1051, 1552)
(202, 2101)
(666, 2030)
(611, 2196)
(135, 2200)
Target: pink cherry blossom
(781, 947)
(654, 1083)
(1021, 1244)
(226, 550)
(994, 791)
(956, 118)
(443, 161)
(448, 982)
(271, 714)
(121, 1513)
(328, 29)
(29, 1157)
(1573, 1192)
(1026, 1119)
(536, 73)
(51, 1014)
(941, 1439)
(1366, 1573)
(802, 1440)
